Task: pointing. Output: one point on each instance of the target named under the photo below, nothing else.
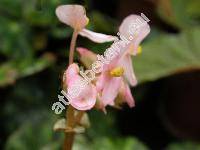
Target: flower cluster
(111, 84)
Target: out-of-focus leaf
(11, 71)
(101, 124)
(119, 144)
(34, 134)
(12, 7)
(59, 32)
(184, 146)
(37, 65)
(102, 23)
(180, 13)
(15, 42)
(105, 143)
(168, 54)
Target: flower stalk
(69, 136)
(70, 113)
(72, 46)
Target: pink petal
(87, 57)
(129, 74)
(128, 96)
(71, 73)
(101, 81)
(86, 100)
(72, 15)
(97, 37)
(110, 90)
(136, 27)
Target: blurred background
(34, 48)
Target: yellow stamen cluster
(139, 50)
(117, 72)
(87, 21)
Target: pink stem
(69, 137)
(72, 47)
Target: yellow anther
(117, 72)
(87, 20)
(139, 50)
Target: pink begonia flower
(72, 15)
(136, 27)
(75, 16)
(86, 98)
(112, 79)
(110, 82)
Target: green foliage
(167, 54)
(24, 34)
(184, 146)
(36, 133)
(106, 143)
(180, 13)
(12, 70)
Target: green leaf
(180, 13)
(119, 144)
(105, 143)
(12, 70)
(34, 134)
(168, 54)
(102, 23)
(29, 68)
(184, 146)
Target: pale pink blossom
(85, 99)
(111, 80)
(72, 15)
(134, 26)
(75, 16)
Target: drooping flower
(75, 16)
(72, 15)
(110, 82)
(82, 95)
(134, 28)
(116, 75)
(112, 78)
